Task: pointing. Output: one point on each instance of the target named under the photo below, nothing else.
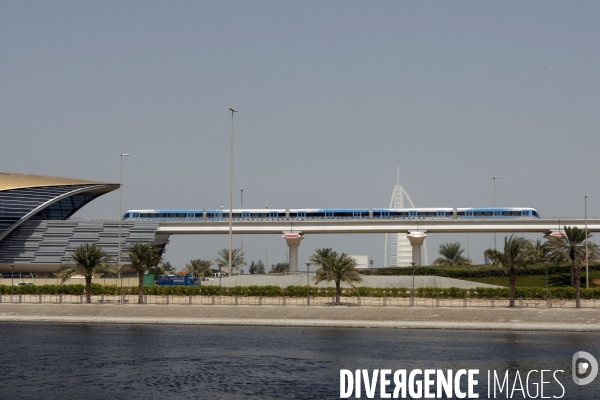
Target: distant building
(400, 250)
(362, 262)
(36, 232)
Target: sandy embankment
(318, 316)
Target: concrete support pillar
(554, 236)
(416, 241)
(293, 241)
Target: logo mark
(580, 367)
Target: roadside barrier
(313, 301)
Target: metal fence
(296, 301)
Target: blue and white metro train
(332, 213)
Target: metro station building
(38, 232)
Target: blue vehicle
(178, 280)
(332, 213)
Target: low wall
(368, 281)
(279, 280)
(73, 281)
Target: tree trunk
(578, 287)
(141, 289)
(88, 289)
(338, 292)
(513, 283)
(572, 274)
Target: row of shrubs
(479, 271)
(301, 291)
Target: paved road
(366, 317)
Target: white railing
(204, 300)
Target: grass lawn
(535, 280)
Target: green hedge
(301, 291)
(472, 271)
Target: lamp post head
(496, 177)
(124, 155)
(232, 110)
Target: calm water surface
(46, 361)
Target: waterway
(61, 361)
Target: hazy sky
(332, 98)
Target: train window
(511, 213)
(535, 214)
(315, 215)
(198, 215)
(343, 214)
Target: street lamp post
(587, 272)
(308, 264)
(371, 264)
(547, 291)
(242, 207)
(267, 246)
(494, 178)
(220, 287)
(412, 295)
(231, 193)
(12, 280)
(120, 218)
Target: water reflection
(158, 362)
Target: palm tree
(88, 260)
(280, 267)
(539, 252)
(573, 246)
(451, 255)
(237, 259)
(167, 268)
(334, 267)
(198, 268)
(517, 255)
(143, 257)
(491, 256)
